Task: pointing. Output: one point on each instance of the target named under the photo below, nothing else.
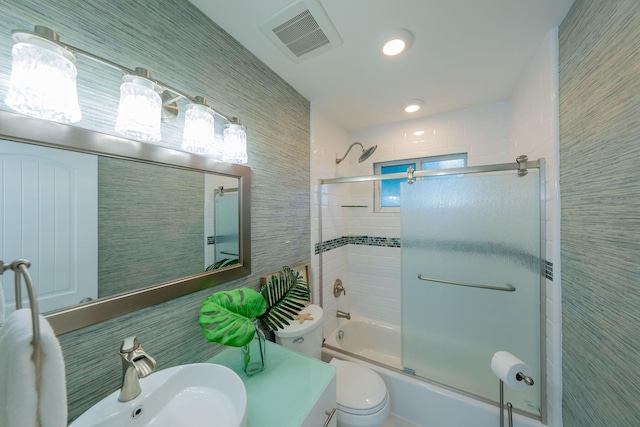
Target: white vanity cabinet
(324, 412)
(294, 390)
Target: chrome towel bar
(507, 287)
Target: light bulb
(140, 110)
(393, 47)
(43, 82)
(199, 130)
(235, 143)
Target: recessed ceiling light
(418, 133)
(413, 105)
(396, 42)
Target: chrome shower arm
(347, 153)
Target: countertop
(283, 394)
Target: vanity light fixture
(43, 77)
(43, 85)
(235, 142)
(413, 105)
(199, 130)
(140, 108)
(396, 41)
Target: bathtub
(415, 400)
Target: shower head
(363, 156)
(366, 153)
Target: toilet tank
(303, 337)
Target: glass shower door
(227, 235)
(472, 230)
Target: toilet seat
(360, 391)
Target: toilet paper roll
(506, 366)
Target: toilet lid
(296, 329)
(360, 390)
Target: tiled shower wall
(328, 142)
(183, 47)
(534, 133)
(374, 272)
(599, 156)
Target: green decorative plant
(224, 262)
(229, 317)
(285, 293)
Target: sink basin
(200, 394)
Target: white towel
(23, 402)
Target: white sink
(200, 394)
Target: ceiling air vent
(301, 30)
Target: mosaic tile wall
(181, 46)
(600, 201)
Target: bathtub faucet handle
(338, 288)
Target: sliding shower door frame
(520, 166)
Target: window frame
(377, 170)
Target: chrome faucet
(136, 364)
(343, 314)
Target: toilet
(362, 398)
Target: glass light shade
(140, 110)
(43, 82)
(235, 143)
(199, 130)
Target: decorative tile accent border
(391, 242)
(388, 242)
(327, 245)
(548, 270)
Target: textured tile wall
(600, 180)
(159, 232)
(181, 46)
(534, 132)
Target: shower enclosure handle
(508, 287)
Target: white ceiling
(466, 53)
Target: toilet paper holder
(520, 377)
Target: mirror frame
(15, 127)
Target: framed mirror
(113, 225)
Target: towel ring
(21, 266)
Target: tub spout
(343, 314)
